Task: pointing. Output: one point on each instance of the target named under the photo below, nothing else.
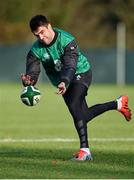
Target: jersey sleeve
(69, 61)
(32, 66)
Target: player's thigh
(76, 92)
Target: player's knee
(74, 106)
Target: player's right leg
(73, 99)
(82, 155)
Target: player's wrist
(65, 82)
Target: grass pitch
(51, 119)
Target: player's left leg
(121, 104)
(123, 108)
(96, 110)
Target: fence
(13, 57)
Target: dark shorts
(83, 78)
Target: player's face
(44, 34)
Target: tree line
(93, 22)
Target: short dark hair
(38, 20)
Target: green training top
(51, 56)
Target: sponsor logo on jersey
(72, 47)
(58, 65)
(46, 56)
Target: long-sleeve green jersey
(61, 59)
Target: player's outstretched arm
(32, 70)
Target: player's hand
(61, 88)
(27, 80)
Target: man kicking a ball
(70, 71)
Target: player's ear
(49, 26)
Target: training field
(38, 142)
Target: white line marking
(4, 140)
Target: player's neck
(52, 35)
(53, 38)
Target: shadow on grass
(46, 163)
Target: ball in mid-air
(30, 95)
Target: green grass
(51, 119)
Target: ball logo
(37, 99)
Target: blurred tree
(93, 22)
